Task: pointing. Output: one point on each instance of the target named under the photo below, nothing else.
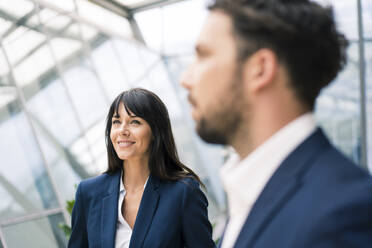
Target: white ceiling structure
(29, 29)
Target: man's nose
(186, 79)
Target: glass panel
(167, 29)
(338, 106)
(132, 60)
(7, 93)
(90, 148)
(338, 110)
(51, 20)
(66, 5)
(17, 9)
(4, 25)
(110, 69)
(103, 18)
(4, 69)
(40, 233)
(57, 127)
(26, 72)
(158, 82)
(52, 109)
(20, 43)
(64, 48)
(368, 57)
(346, 16)
(87, 32)
(87, 94)
(24, 184)
(134, 3)
(367, 18)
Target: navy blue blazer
(316, 198)
(171, 214)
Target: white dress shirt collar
(123, 230)
(244, 180)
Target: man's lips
(191, 100)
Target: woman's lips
(124, 144)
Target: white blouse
(123, 230)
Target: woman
(147, 197)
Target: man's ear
(259, 70)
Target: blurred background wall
(63, 61)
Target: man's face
(214, 81)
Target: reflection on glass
(24, 184)
(40, 233)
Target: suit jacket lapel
(109, 212)
(145, 213)
(282, 185)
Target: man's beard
(221, 126)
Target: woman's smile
(125, 143)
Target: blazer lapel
(223, 234)
(145, 213)
(282, 185)
(109, 214)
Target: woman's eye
(115, 122)
(136, 122)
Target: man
(259, 66)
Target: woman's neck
(136, 172)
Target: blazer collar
(109, 214)
(146, 212)
(276, 193)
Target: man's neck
(253, 133)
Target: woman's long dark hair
(164, 162)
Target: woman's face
(130, 135)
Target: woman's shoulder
(98, 183)
(182, 184)
(92, 181)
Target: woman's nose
(124, 131)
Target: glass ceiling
(44, 31)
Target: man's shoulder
(333, 166)
(334, 182)
(324, 161)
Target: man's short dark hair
(301, 33)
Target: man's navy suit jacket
(171, 214)
(316, 198)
